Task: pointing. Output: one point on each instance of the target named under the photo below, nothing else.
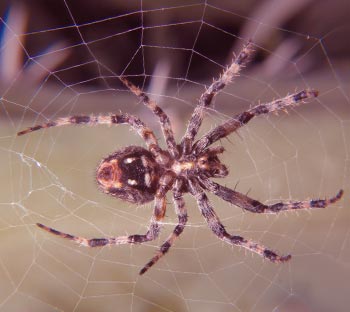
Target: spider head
(209, 164)
(129, 174)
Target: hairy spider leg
(162, 116)
(219, 230)
(181, 212)
(252, 205)
(242, 119)
(206, 98)
(165, 184)
(146, 133)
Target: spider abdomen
(130, 174)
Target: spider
(138, 175)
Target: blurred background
(61, 58)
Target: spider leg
(163, 117)
(219, 230)
(165, 183)
(181, 212)
(255, 206)
(207, 97)
(241, 119)
(145, 132)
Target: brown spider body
(131, 174)
(140, 175)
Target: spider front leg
(219, 230)
(252, 205)
(242, 119)
(181, 212)
(206, 98)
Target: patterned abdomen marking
(130, 174)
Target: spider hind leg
(94, 242)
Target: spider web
(64, 58)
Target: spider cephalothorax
(140, 175)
